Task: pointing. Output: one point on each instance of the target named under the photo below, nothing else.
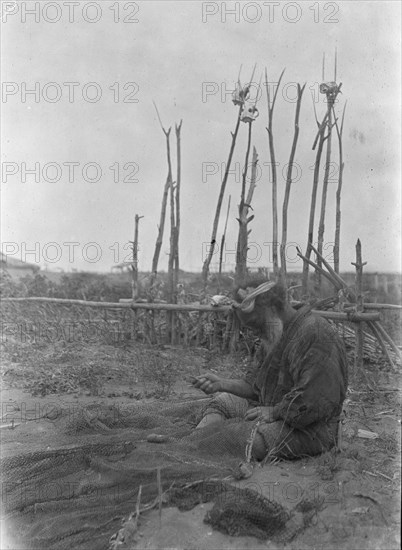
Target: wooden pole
(340, 284)
(241, 254)
(171, 289)
(223, 242)
(300, 91)
(388, 339)
(172, 238)
(208, 259)
(152, 306)
(336, 277)
(381, 341)
(134, 266)
(245, 169)
(339, 132)
(161, 227)
(274, 174)
(244, 220)
(320, 138)
(178, 189)
(368, 305)
(169, 187)
(316, 174)
(359, 307)
(320, 269)
(331, 94)
(321, 225)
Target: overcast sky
(172, 54)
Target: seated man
(294, 397)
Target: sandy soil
(360, 486)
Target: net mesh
(75, 495)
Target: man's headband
(248, 303)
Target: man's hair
(276, 297)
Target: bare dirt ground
(359, 487)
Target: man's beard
(271, 334)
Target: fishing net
(75, 494)
(244, 512)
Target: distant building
(17, 268)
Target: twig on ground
(158, 478)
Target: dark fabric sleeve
(317, 367)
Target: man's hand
(208, 383)
(260, 413)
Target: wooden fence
(194, 324)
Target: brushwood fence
(50, 320)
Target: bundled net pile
(243, 512)
(75, 495)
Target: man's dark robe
(304, 379)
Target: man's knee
(271, 438)
(228, 405)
